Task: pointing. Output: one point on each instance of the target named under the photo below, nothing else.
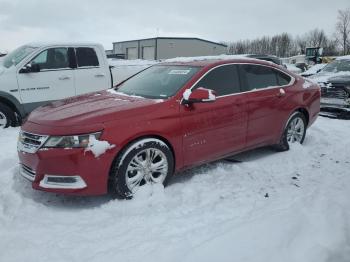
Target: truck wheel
(7, 116)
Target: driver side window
(53, 58)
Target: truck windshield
(17, 55)
(342, 65)
(160, 81)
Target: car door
(265, 99)
(214, 129)
(90, 74)
(54, 81)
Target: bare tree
(343, 30)
(317, 38)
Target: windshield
(160, 81)
(17, 55)
(337, 66)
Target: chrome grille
(27, 172)
(30, 143)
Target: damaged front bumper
(335, 101)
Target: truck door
(91, 73)
(54, 79)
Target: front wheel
(147, 161)
(294, 132)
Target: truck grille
(27, 172)
(30, 143)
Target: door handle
(281, 93)
(64, 78)
(99, 75)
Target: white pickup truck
(35, 74)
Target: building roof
(177, 38)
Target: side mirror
(199, 95)
(30, 68)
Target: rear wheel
(7, 116)
(147, 161)
(294, 132)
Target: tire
(294, 131)
(7, 116)
(146, 161)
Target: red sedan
(168, 117)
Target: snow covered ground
(291, 206)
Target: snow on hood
(346, 57)
(323, 77)
(314, 69)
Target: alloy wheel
(149, 166)
(296, 130)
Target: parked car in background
(35, 74)
(167, 118)
(271, 58)
(334, 80)
(313, 70)
(293, 68)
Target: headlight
(79, 141)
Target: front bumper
(67, 171)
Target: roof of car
(204, 61)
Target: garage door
(131, 53)
(148, 52)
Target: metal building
(167, 47)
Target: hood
(92, 108)
(324, 77)
(341, 79)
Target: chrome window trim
(250, 91)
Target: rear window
(258, 77)
(86, 57)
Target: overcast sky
(108, 21)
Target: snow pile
(114, 92)
(204, 58)
(186, 94)
(290, 206)
(98, 147)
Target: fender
(12, 102)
